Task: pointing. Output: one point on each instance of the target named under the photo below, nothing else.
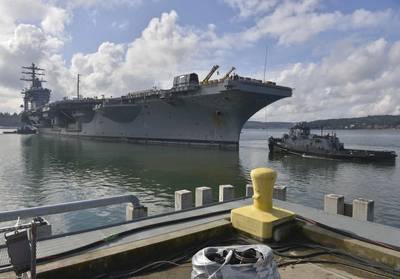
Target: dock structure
(363, 209)
(183, 199)
(249, 190)
(360, 209)
(137, 212)
(203, 196)
(129, 247)
(334, 204)
(279, 192)
(226, 193)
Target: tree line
(10, 119)
(368, 122)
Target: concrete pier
(183, 199)
(134, 245)
(151, 239)
(334, 204)
(279, 193)
(249, 190)
(348, 209)
(226, 193)
(132, 213)
(44, 230)
(203, 196)
(363, 209)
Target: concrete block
(183, 199)
(203, 196)
(249, 190)
(279, 193)
(44, 230)
(334, 204)
(348, 209)
(135, 213)
(363, 209)
(226, 193)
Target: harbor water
(39, 170)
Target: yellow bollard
(263, 182)
(260, 218)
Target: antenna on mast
(265, 61)
(30, 74)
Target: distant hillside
(9, 120)
(368, 122)
(267, 125)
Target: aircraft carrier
(207, 112)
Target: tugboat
(301, 142)
(23, 130)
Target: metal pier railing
(67, 207)
(22, 249)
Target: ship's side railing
(68, 207)
(143, 93)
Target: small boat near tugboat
(301, 142)
(23, 130)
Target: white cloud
(30, 31)
(98, 69)
(292, 22)
(362, 82)
(109, 4)
(394, 54)
(120, 25)
(51, 18)
(363, 18)
(164, 49)
(27, 44)
(55, 20)
(163, 44)
(252, 7)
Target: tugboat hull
(346, 154)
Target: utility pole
(77, 87)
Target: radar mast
(36, 96)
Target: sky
(342, 58)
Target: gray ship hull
(211, 115)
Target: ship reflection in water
(62, 169)
(46, 170)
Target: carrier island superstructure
(207, 112)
